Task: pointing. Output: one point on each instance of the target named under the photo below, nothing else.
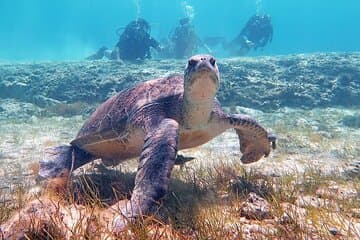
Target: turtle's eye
(212, 61)
(192, 62)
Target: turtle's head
(201, 79)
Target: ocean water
(303, 86)
(71, 30)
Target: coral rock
(255, 207)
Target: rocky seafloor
(311, 102)
(265, 83)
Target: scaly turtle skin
(154, 120)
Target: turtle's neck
(196, 114)
(201, 82)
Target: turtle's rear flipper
(180, 159)
(59, 161)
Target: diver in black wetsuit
(134, 43)
(183, 41)
(184, 38)
(257, 32)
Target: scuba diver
(257, 32)
(134, 43)
(183, 41)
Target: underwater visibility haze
(68, 30)
(75, 104)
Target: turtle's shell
(116, 127)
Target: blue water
(72, 29)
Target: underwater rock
(315, 202)
(355, 212)
(43, 101)
(337, 192)
(11, 88)
(266, 83)
(352, 121)
(256, 207)
(13, 109)
(46, 218)
(293, 214)
(258, 231)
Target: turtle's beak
(202, 74)
(201, 78)
(200, 66)
(204, 69)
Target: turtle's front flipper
(59, 161)
(255, 141)
(56, 162)
(156, 162)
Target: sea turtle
(154, 120)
